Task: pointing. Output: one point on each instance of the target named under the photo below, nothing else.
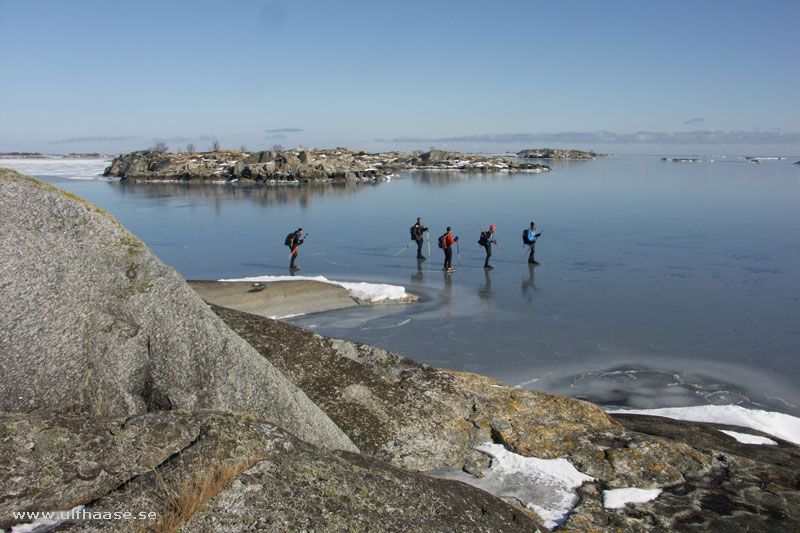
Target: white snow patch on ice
(745, 438)
(780, 425)
(368, 292)
(617, 498)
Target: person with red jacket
(446, 242)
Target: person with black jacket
(486, 240)
(417, 232)
(293, 241)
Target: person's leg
(530, 257)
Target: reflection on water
(529, 284)
(485, 291)
(257, 193)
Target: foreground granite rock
(213, 471)
(93, 322)
(423, 418)
(298, 165)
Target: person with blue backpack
(529, 238)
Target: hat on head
(492, 227)
(448, 228)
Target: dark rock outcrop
(298, 165)
(93, 322)
(413, 415)
(422, 418)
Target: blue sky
(655, 77)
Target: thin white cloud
(639, 137)
(179, 139)
(93, 139)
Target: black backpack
(289, 239)
(413, 233)
(484, 239)
(442, 242)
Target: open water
(661, 284)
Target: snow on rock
(780, 425)
(749, 439)
(546, 486)
(618, 498)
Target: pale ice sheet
(79, 169)
(618, 498)
(780, 425)
(368, 292)
(547, 486)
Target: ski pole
(401, 250)
(428, 235)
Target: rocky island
(298, 165)
(124, 392)
(552, 153)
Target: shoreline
(280, 299)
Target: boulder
(94, 323)
(436, 156)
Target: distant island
(299, 165)
(553, 153)
(39, 155)
(687, 160)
